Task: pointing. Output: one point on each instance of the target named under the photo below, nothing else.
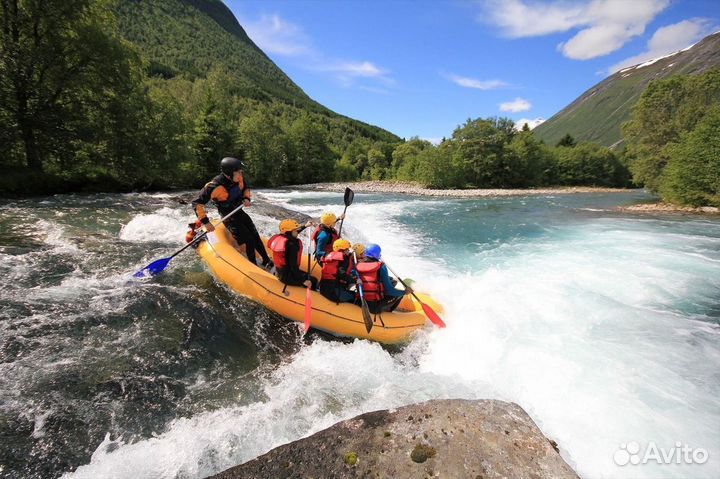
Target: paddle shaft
(401, 281)
(363, 304)
(429, 312)
(308, 295)
(347, 199)
(198, 238)
(206, 232)
(342, 221)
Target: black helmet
(230, 165)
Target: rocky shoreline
(669, 208)
(439, 438)
(411, 188)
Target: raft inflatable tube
(233, 269)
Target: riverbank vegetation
(93, 97)
(673, 139)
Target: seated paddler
(287, 251)
(378, 288)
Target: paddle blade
(366, 316)
(308, 308)
(433, 316)
(153, 269)
(349, 197)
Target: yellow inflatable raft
(232, 268)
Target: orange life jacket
(331, 266)
(372, 287)
(333, 232)
(277, 245)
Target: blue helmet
(373, 251)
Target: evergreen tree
(267, 149)
(313, 157)
(211, 140)
(567, 141)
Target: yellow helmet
(341, 244)
(328, 219)
(359, 249)
(288, 225)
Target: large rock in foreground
(442, 438)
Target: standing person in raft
(228, 190)
(336, 273)
(287, 251)
(378, 289)
(325, 235)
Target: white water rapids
(604, 329)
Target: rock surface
(441, 438)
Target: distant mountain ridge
(598, 114)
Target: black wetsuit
(228, 195)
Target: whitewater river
(604, 326)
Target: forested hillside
(190, 38)
(150, 94)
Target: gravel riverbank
(410, 188)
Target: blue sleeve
(322, 241)
(390, 290)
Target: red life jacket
(329, 245)
(331, 266)
(277, 244)
(372, 287)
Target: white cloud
(478, 84)
(530, 123)
(357, 69)
(347, 73)
(605, 25)
(274, 35)
(517, 105)
(668, 39)
(517, 18)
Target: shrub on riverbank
(692, 174)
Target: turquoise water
(603, 325)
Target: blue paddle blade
(154, 268)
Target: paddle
(157, 266)
(348, 199)
(429, 312)
(308, 295)
(364, 305)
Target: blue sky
(421, 68)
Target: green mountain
(598, 114)
(191, 37)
